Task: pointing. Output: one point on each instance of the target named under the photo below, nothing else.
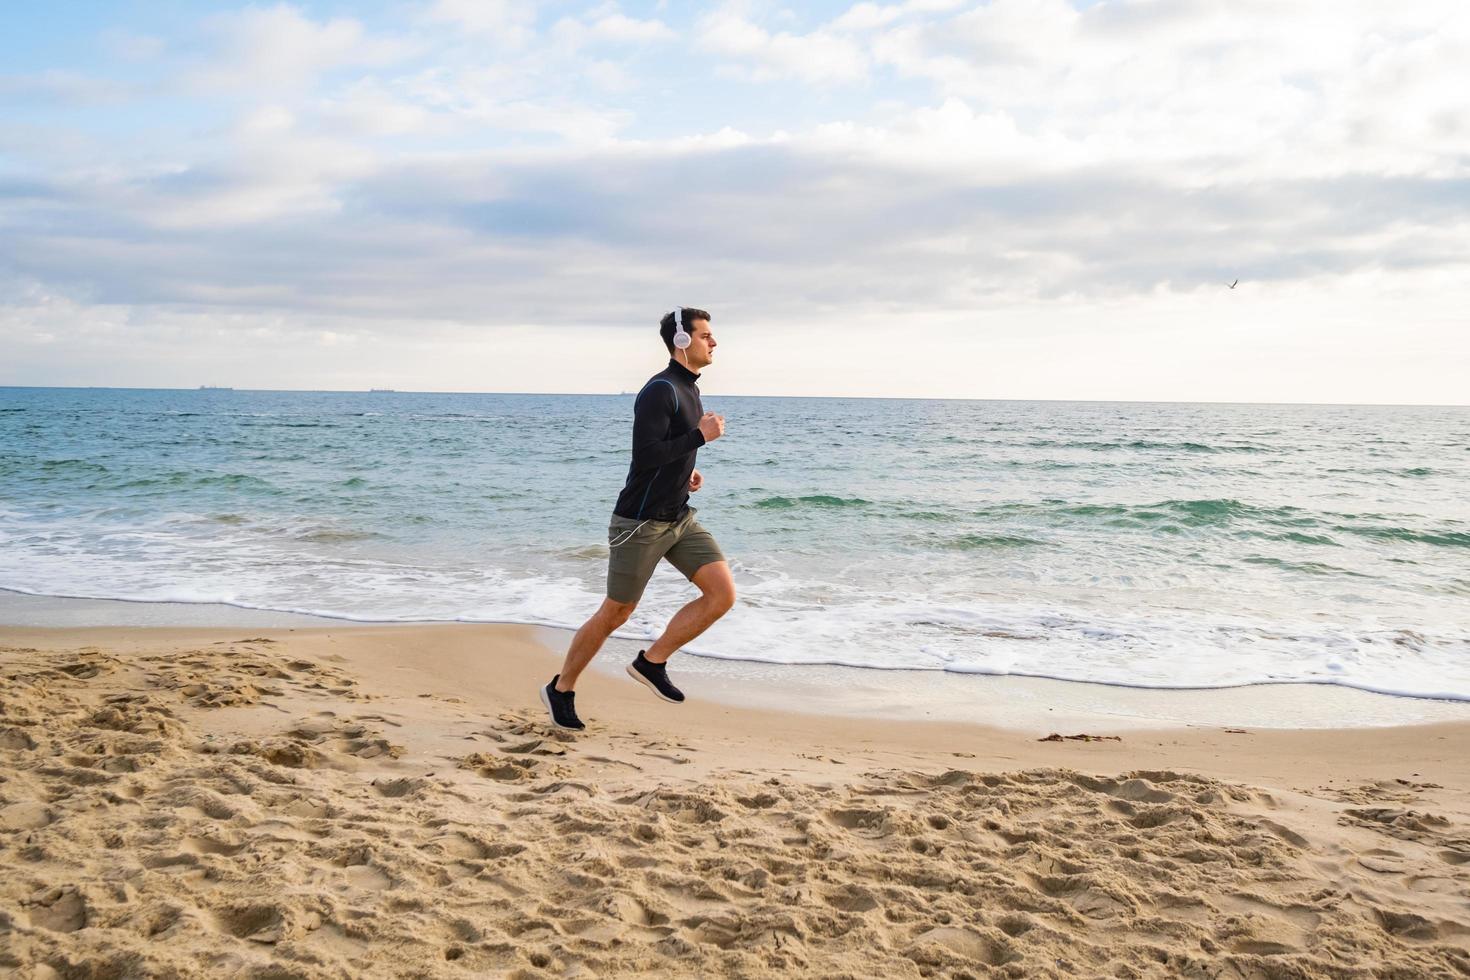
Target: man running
(653, 520)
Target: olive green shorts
(630, 562)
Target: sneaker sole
(552, 714)
(646, 683)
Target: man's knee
(721, 596)
(717, 585)
(616, 613)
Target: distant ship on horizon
(215, 388)
(379, 391)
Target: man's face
(701, 352)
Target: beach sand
(389, 801)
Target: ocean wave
(1101, 445)
(334, 536)
(73, 465)
(104, 478)
(1223, 512)
(233, 481)
(1294, 537)
(1305, 567)
(1438, 538)
(1051, 464)
(986, 542)
(584, 552)
(183, 479)
(1370, 471)
(1194, 512)
(812, 500)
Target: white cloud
(1305, 88)
(371, 108)
(507, 23)
(1311, 88)
(819, 57)
(606, 31)
(619, 27)
(866, 16)
(609, 25)
(279, 47)
(505, 99)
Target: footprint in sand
(16, 740)
(967, 944)
(851, 898)
(508, 769)
(458, 845)
(873, 823)
(57, 909)
(208, 845)
(537, 746)
(257, 923)
(25, 816)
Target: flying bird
(1232, 285)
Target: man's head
(701, 351)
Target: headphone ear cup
(681, 340)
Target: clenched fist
(712, 425)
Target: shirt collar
(682, 372)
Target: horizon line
(616, 394)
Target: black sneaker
(655, 677)
(561, 706)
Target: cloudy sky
(1013, 199)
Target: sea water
(1145, 544)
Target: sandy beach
(389, 801)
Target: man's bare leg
(717, 595)
(590, 637)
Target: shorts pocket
(626, 532)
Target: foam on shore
(1016, 702)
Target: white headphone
(682, 340)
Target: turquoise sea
(1148, 544)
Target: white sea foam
(886, 632)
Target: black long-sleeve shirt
(666, 438)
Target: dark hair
(666, 325)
